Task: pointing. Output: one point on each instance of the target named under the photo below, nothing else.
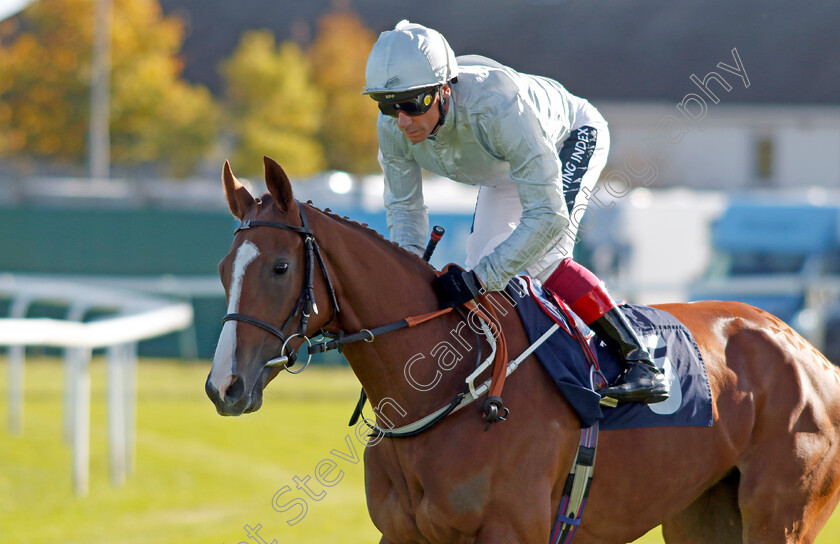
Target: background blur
(117, 115)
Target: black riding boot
(640, 381)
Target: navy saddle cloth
(670, 343)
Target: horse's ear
(278, 185)
(238, 197)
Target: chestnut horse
(766, 471)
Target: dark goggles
(412, 106)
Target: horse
(766, 471)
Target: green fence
(123, 243)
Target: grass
(199, 477)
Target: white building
(733, 146)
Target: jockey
(536, 152)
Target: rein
(369, 334)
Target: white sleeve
(407, 216)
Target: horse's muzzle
(233, 401)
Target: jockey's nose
(403, 119)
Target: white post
(115, 361)
(130, 399)
(81, 424)
(71, 362)
(17, 357)
(72, 357)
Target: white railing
(135, 317)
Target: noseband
(305, 304)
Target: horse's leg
(790, 475)
(713, 517)
(794, 506)
(789, 462)
(498, 536)
(501, 533)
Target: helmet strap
(442, 109)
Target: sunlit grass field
(199, 477)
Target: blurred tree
(339, 55)
(45, 87)
(274, 106)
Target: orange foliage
(45, 73)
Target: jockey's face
(420, 127)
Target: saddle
(566, 360)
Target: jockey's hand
(456, 286)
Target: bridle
(305, 304)
(492, 407)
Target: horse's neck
(374, 274)
(377, 284)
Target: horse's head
(268, 277)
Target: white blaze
(222, 371)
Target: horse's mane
(363, 229)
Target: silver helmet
(410, 57)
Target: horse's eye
(281, 268)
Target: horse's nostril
(233, 392)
